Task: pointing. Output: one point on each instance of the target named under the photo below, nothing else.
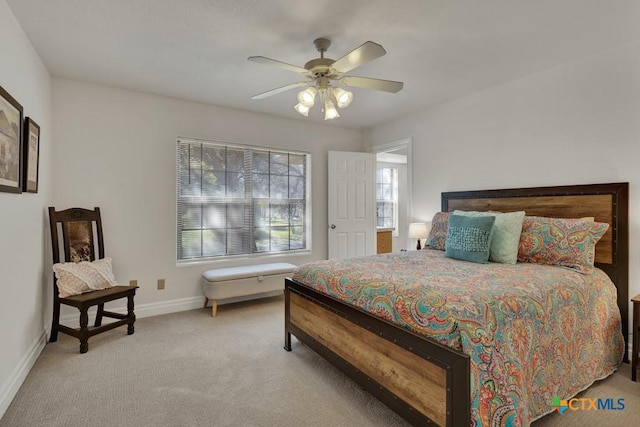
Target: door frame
(401, 144)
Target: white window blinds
(234, 199)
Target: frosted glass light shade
(330, 111)
(343, 97)
(302, 109)
(307, 97)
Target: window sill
(243, 257)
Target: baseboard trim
(166, 307)
(14, 382)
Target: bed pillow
(506, 234)
(438, 233)
(469, 238)
(560, 241)
(85, 276)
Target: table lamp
(418, 230)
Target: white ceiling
(197, 49)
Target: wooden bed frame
(423, 381)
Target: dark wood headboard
(605, 202)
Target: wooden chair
(81, 230)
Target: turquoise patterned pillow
(438, 233)
(569, 243)
(469, 238)
(506, 234)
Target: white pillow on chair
(85, 276)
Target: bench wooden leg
(206, 302)
(214, 307)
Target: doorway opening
(394, 192)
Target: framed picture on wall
(10, 143)
(31, 153)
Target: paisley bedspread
(532, 331)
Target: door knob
(333, 226)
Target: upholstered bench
(231, 282)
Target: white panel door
(352, 202)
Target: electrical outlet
(133, 283)
(160, 284)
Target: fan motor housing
(319, 66)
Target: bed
(455, 370)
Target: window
(235, 200)
(387, 197)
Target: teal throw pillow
(469, 238)
(506, 234)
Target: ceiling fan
(321, 72)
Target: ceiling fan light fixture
(302, 109)
(330, 111)
(307, 97)
(343, 97)
(320, 72)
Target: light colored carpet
(188, 369)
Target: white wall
(116, 149)
(24, 254)
(575, 124)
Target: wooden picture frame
(10, 143)
(31, 156)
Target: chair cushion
(85, 276)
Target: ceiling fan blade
(364, 53)
(375, 84)
(279, 90)
(269, 61)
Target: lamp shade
(330, 111)
(302, 109)
(307, 97)
(343, 97)
(418, 230)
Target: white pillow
(85, 276)
(506, 234)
